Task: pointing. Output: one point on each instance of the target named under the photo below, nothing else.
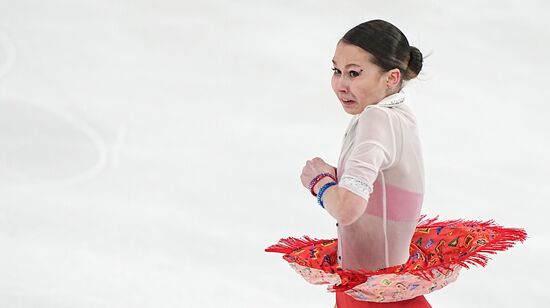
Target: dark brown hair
(388, 46)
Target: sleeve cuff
(356, 186)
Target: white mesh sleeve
(373, 149)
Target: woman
(380, 176)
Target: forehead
(350, 54)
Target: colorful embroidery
(449, 246)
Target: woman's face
(356, 81)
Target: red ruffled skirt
(438, 251)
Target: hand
(313, 168)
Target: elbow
(347, 219)
(350, 210)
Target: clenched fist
(313, 168)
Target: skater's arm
(341, 204)
(374, 150)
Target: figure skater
(383, 256)
(380, 173)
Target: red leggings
(345, 301)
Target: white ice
(151, 150)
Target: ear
(393, 78)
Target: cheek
(357, 89)
(333, 81)
(362, 88)
(380, 85)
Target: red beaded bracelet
(317, 179)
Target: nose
(340, 84)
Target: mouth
(347, 102)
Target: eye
(354, 74)
(336, 71)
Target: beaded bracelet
(317, 179)
(322, 191)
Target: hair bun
(415, 64)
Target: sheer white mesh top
(381, 161)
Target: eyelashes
(354, 74)
(351, 73)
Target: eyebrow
(351, 64)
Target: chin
(352, 111)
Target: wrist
(320, 184)
(322, 191)
(320, 177)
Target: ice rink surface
(150, 150)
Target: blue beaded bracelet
(322, 191)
